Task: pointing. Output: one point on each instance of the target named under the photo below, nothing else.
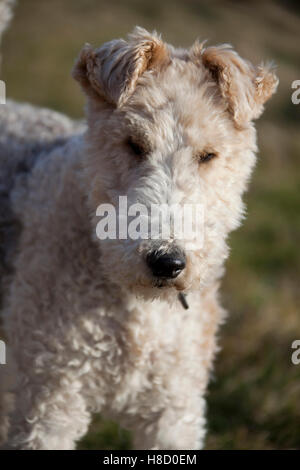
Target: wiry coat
(88, 327)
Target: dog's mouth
(162, 288)
(182, 297)
(179, 284)
(161, 283)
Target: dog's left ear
(245, 88)
(111, 72)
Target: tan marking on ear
(112, 71)
(244, 88)
(266, 83)
(80, 71)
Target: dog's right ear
(111, 72)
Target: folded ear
(111, 72)
(245, 88)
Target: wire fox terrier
(124, 326)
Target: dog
(121, 326)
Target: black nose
(166, 265)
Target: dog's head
(168, 128)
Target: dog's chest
(135, 345)
(157, 336)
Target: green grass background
(254, 395)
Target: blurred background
(254, 395)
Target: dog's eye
(204, 157)
(136, 147)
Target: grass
(253, 398)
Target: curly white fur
(89, 329)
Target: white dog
(103, 325)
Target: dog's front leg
(48, 414)
(179, 427)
